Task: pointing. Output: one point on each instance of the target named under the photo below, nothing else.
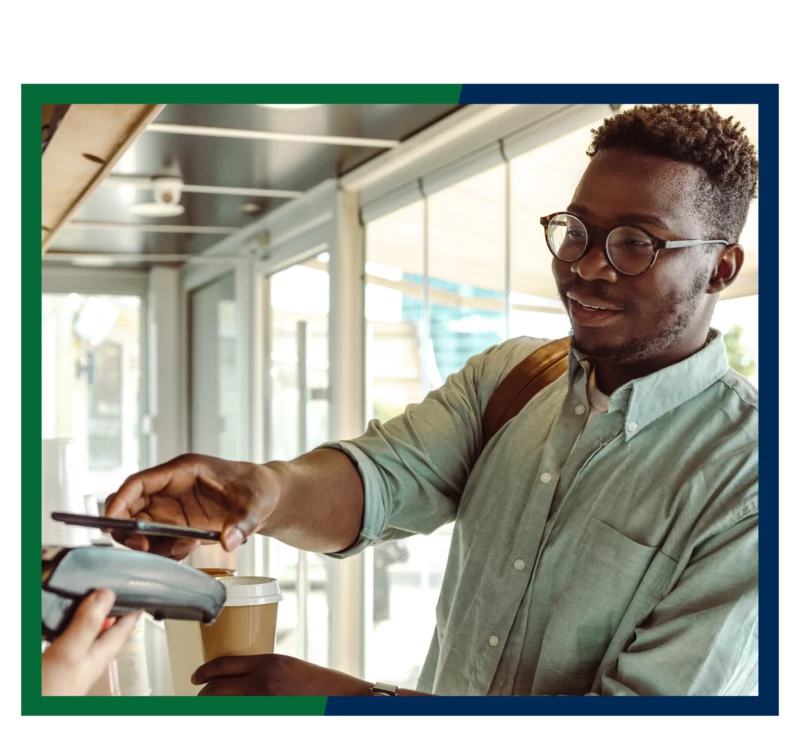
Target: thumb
(239, 525)
(88, 621)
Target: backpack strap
(523, 382)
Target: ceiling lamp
(166, 199)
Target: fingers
(106, 647)
(128, 500)
(190, 490)
(122, 503)
(132, 541)
(239, 524)
(232, 537)
(87, 622)
(181, 549)
(227, 667)
(133, 500)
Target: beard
(672, 323)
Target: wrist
(270, 483)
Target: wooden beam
(87, 144)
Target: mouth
(590, 312)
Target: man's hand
(274, 675)
(195, 491)
(76, 659)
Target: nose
(594, 264)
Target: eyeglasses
(631, 251)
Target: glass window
(298, 421)
(299, 297)
(402, 613)
(91, 411)
(394, 268)
(215, 419)
(466, 231)
(406, 357)
(737, 320)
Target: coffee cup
(246, 625)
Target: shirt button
(519, 564)
(493, 641)
(545, 477)
(632, 427)
(580, 409)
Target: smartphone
(141, 527)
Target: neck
(611, 376)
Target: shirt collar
(646, 399)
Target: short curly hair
(699, 136)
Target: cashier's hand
(274, 675)
(231, 497)
(76, 659)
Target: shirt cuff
(374, 508)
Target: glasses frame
(660, 243)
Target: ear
(729, 263)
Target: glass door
(214, 423)
(298, 304)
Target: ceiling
(218, 160)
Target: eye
(633, 243)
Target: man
(605, 539)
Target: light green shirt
(627, 565)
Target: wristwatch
(383, 689)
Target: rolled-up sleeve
(415, 466)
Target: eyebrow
(635, 217)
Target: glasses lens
(566, 237)
(631, 250)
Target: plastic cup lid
(251, 590)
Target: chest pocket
(606, 576)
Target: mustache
(600, 291)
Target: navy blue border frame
(766, 703)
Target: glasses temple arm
(686, 244)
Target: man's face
(646, 315)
